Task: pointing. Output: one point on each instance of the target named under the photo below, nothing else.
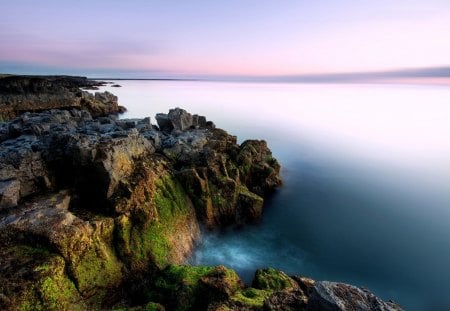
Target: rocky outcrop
(338, 296)
(19, 94)
(100, 213)
(218, 288)
(180, 120)
(105, 199)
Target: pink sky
(224, 38)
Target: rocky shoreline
(19, 94)
(98, 212)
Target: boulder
(272, 279)
(331, 296)
(180, 120)
(164, 122)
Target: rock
(198, 121)
(194, 288)
(271, 279)
(339, 296)
(85, 246)
(116, 85)
(9, 193)
(136, 201)
(35, 279)
(19, 94)
(98, 212)
(286, 300)
(259, 170)
(164, 122)
(180, 120)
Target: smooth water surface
(366, 171)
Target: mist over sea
(366, 171)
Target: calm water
(366, 170)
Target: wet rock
(338, 296)
(286, 300)
(271, 279)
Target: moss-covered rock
(272, 279)
(151, 306)
(33, 278)
(194, 287)
(116, 202)
(97, 269)
(160, 224)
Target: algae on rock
(107, 201)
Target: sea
(366, 180)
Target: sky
(171, 38)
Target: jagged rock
(164, 122)
(286, 300)
(136, 201)
(180, 120)
(194, 288)
(341, 297)
(271, 279)
(9, 193)
(20, 161)
(223, 191)
(19, 94)
(259, 170)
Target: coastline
(173, 167)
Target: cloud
(78, 52)
(368, 76)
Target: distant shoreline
(142, 79)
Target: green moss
(98, 269)
(251, 296)
(58, 292)
(178, 286)
(152, 306)
(25, 251)
(172, 206)
(182, 287)
(271, 279)
(141, 241)
(170, 199)
(189, 275)
(52, 289)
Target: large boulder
(331, 296)
(180, 120)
